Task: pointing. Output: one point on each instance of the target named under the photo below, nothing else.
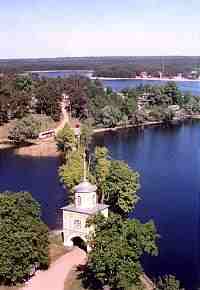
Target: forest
(108, 66)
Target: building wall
(74, 224)
(85, 200)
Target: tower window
(78, 201)
(77, 224)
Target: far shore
(147, 79)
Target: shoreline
(48, 147)
(145, 124)
(145, 79)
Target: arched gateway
(75, 215)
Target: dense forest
(108, 66)
(22, 98)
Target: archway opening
(77, 241)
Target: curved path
(65, 118)
(54, 277)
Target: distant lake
(118, 85)
(184, 86)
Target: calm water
(169, 164)
(186, 86)
(168, 160)
(38, 176)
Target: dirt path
(54, 277)
(65, 118)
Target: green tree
(168, 282)
(71, 173)
(110, 116)
(86, 134)
(25, 129)
(23, 238)
(117, 247)
(101, 170)
(120, 188)
(66, 140)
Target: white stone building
(75, 215)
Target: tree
(66, 140)
(24, 129)
(168, 283)
(120, 188)
(110, 116)
(101, 169)
(173, 93)
(71, 173)
(117, 247)
(86, 134)
(23, 238)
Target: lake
(118, 85)
(168, 160)
(38, 176)
(184, 86)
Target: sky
(62, 28)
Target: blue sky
(56, 28)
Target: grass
(56, 249)
(72, 282)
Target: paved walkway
(54, 277)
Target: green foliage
(71, 173)
(120, 188)
(101, 170)
(24, 129)
(168, 283)
(110, 116)
(48, 96)
(66, 140)
(86, 134)
(117, 247)
(23, 237)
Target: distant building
(174, 108)
(143, 75)
(75, 215)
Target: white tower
(75, 215)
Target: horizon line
(102, 56)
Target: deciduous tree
(23, 238)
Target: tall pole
(84, 167)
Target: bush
(23, 238)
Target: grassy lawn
(72, 282)
(56, 248)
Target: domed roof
(85, 187)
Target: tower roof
(85, 187)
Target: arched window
(78, 200)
